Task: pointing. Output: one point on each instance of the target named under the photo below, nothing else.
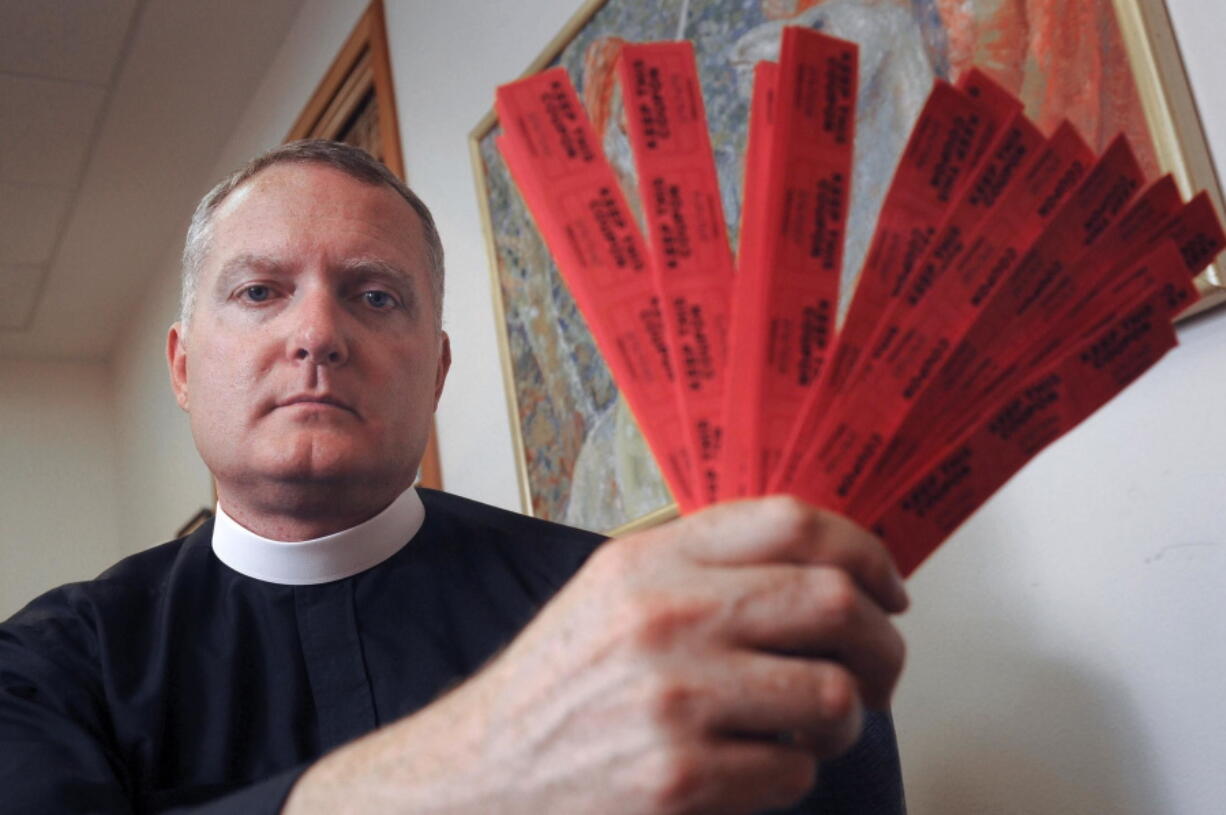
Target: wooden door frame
(363, 64)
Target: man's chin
(305, 464)
(324, 472)
(319, 466)
(317, 490)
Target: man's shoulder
(457, 509)
(549, 550)
(136, 580)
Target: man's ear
(444, 365)
(176, 359)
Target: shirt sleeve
(57, 752)
(265, 797)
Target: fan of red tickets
(1015, 283)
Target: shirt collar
(322, 560)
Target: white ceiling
(112, 116)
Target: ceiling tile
(30, 219)
(20, 286)
(45, 127)
(187, 76)
(79, 40)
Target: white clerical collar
(322, 560)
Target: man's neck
(323, 559)
(301, 513)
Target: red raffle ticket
(1020, 172)
(792, 282)
(735, 445)
(1014, 284)
(573, 193)
(1133, 231)
(688, 239)
(1038, 288)
(840, 463)
(1192, 229)
(1112, 354)
(955, 130)
(978, 266)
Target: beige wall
(59, 498)
(162, 482)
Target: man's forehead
(307, 182)
(312, 195)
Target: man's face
(313, 356)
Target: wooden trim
(202, 516)
(430, 471)
(354, 89)
(363, 65)
(381, 66)
(342, 66)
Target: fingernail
(901, 600)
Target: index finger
(783, 529)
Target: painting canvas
(583, 461)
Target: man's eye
(256, 293)
(378, 299)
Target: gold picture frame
(1167, 122)
(1174, 122)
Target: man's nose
(318, 333)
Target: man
(338, 643)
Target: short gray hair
(352, 161)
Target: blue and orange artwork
(582, 456)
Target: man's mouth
(322, 400)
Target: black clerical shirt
(172, 683)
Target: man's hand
(703, 666)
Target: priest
(338, 641)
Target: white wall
(58, 496)
(1065, 646)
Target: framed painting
(1108, 66)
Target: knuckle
(796, 775)
(672, 703)
(853, 725)
(897, 645)
(841, 710)
(658, 619)
(796, 589)
(895, 656)
(790, 518)
(614, 559)
(677, 779)
(839, 599)
(838, 699)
